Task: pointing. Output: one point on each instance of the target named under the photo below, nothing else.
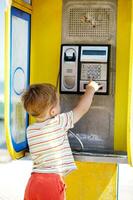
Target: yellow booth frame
(92, 180)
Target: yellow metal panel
(22, 6)
(130, 96)
(45, 40)
(92, 181)
(22, 3)
(13, 153)
(122, 74)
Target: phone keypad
(93, 71)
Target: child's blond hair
(38, 98)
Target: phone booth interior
(72, 42)
(89, 33)
(88, 52)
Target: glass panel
(28, 1)
(19, 75)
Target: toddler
(48, 141)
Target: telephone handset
(80, 63)
(70, 55)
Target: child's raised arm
(85, 101)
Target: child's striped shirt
(49, 145)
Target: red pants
(45, 187)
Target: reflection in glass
(28, 1)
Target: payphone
(88, 52)
(80, 63)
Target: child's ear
(52, 112)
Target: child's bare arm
(85, 101)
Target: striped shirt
(49, 146)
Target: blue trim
(25, 16)
(19, 13)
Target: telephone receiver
(69, 58)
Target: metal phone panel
(92, 22)
(95, 129)
(89, 21)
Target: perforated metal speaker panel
(92, 22)
(89, 21)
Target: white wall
(13, 178)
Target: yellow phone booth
(67, 42)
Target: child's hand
(94, 85)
